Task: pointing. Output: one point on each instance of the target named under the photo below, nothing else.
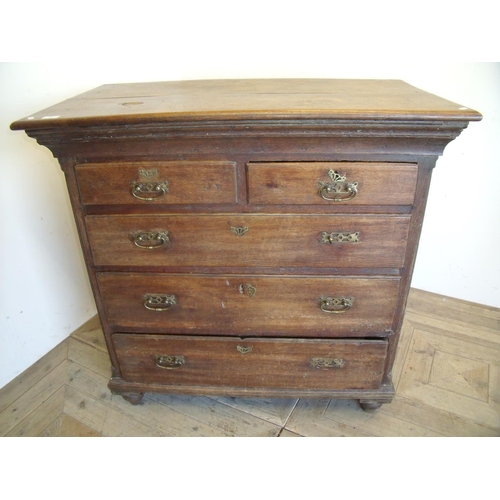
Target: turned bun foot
(370, 406)
(132, 397)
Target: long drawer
(319, 241)
(157, 183)
(263, 363)
(331, 183)
(292, 306)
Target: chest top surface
(253, 99)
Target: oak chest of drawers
(250, 237)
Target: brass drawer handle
(159, 302)
(151, 190)
(339, 189)
(169, 362)
(326, 363)
(339, 237)
(149, 240)
(336, 305)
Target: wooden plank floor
(447, 377)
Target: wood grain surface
(222, 99)
(448, 401)
(297, 183)
(266, 363)
(222, 305)
(187, 182)
(265, 240)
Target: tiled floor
(447, 377)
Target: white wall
(44, 291)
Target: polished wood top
(134, 103)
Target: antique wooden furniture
(250, 237)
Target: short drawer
(264, 363)
(321, 241)
(331, 183)
(157, 183)
(292, 306)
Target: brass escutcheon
(247, 287)
(148, 173)
(239, 230)
(244, 349)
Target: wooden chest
(250, 237)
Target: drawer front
(249, 305)
(321, 241)
(157, 183)
(263, 363)
(331, 183)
